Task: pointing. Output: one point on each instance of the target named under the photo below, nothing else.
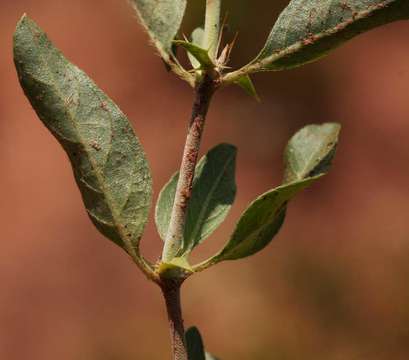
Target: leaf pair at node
(308, 156)
(304, 32)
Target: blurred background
(333, 285)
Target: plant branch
(171, 293)
(174, 237)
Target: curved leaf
(201, 55)
(196, 39)
(107, 159)
(195, 347)
(308, 157)
(194, 344)
(162, 20)
(308, 30)
(213, 193)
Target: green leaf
(308, 30)
(308, 157)
(195, 347)
(201, 55)
(196, 39)
(194, 344)
(247, 85)
(107, 159)
(162, 20)
(310, 151)
(213, 193)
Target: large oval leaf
(162, 20)
(213, 193)
(308, 30)
(107, 159)
(308, 157)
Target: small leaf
(247, 85)
(197, 39)
(201, 55)
(107, 159)
(310, 151)
(162, 20)
(213, 193)
(308, 157)
(195, 347)
(194, 343)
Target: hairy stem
(174, 237)
(171, 293)
(212, 27)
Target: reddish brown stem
(174, 237)
(171, 293)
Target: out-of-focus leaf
(308, 157)
(310, 151)
(194, 343)
(247, 85)
(213, 193)
(195, 347)
(107, 159)
(201, 55)
(197, 39)
(162, 20)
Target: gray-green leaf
(107, 159)
(162, 20)
(308, 157)
(197, 39)
(213, 193)
(309, 29)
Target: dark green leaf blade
(107, 159)
(213, 193)
(194, 343)
(308, 157)
(162, 20)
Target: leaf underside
(307, 30)
(213, 193)
(162, 20)
(308, 157)
(107, 159)
(195, 347)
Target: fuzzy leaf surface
(213, 194)
(197, 39)
(107, 159)
(308, 30)
(162, 20)
(308, 157)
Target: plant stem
(171, 293)
(212, 27)
(174, 237)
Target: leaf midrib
(206, 203)
(109, 201)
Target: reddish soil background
(334, 283)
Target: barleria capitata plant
(109, 163)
